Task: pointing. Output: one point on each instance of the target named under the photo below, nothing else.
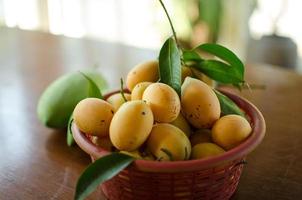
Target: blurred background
(259, 31)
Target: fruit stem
(122, 90)
(171, 25)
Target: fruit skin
(204, 150)
(143, 72)
(201, 136)
(58, 100)
(131, 125)
(163, 101)
(200, 104)
(93, 116)
(138, 90)
(135, 154)
(103, 142)
(116, 100)
(148, 157)
(230, 130)
(181, 123)
(166, 137)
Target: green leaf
(191, 55)
(227, 105)
(168, 153)
(69, 138)
(94, 90)
(230, 71)
(170, 65)
(98, 79)
(100, 171)
(218, 71)
(226, 55)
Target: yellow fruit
(200, 104)
(167, 142)
(103, 142)
(163, 101)
(181, 123)
(131, 125)
(185, 71)
(201, 136)
(149, 157)
(144, 72)
(230, 130)
(116, 100)
(93, 116)
(134, 154)
(138, 155)
(205, 150)
(146, 154)
(138, 90)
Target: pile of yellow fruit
(153, 122)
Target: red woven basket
(211, 178)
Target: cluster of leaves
(228, 70)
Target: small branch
(168, 153)
(248, 86)
(122, 90)
(254, 86)
(167, 14)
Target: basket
(211, 178)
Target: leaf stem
(171, 25)
(122, 90)
(168, 153)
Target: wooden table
(35, 162)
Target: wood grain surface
(35, 162)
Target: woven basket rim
(258, 132)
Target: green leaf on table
(218, 71)
(94, 90)
(227, 105)
(170, 65)
(100, 171)
(69, 138)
